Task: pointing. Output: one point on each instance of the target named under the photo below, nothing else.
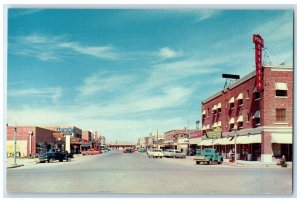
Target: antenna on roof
(231, 77)
(267, 58)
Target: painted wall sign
(259, 44)
(213, 133)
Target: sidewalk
(19, 162)
(241, 163)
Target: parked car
(155, 153)
(128, 150)
(91, 152)
(51, 156)
(209, 156)
(141, 150)
(173, 153)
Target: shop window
(281, 115)
(281, 93)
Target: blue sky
(128, 73)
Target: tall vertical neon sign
(259, 44)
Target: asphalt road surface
(116, 173)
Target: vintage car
(155, 153)
(128, 150)
(91, 152)
(52, 156)
(173, 153)
(208, 155)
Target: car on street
(155, 153)
(141, 150)
(208, 156)
(91, 152)
(173, 153)
(128, 150)
(52, 156)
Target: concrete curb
(14, 166)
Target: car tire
(197, 162)
(210, 162)
(50, 160)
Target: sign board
(214, 133)
(259, 44)
(183, 141)
(69, 130)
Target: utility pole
(15, 145)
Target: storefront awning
(282, 138)
(195, 140)
(256, 115)
(281, 86)
(204, 112)
(231, 121)
(227, 141)
(207, 142)
(240, 119)
(240, 97)
(231, 100)
(219, 106)
(248, 139)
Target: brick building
(30, 140)
(261, 121)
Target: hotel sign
(259, 44)
(214, 133)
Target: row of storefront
(32, 140)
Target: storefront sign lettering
(259, 44)
(214, 133)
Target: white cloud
(206, 14)
(99, 52)
(168, 53)
(53, 93)
(54, 48)
(103, 83)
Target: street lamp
(235, 150)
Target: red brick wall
(40, 135)
(250, 106)
(271, 102)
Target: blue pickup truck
(208, 155)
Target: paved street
(117, 173)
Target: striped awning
(214, 108)
(231, 121)
(231, 100)
(281, 86)
(240, 97)
(240, 119)
(256, 115)
(215, 125)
